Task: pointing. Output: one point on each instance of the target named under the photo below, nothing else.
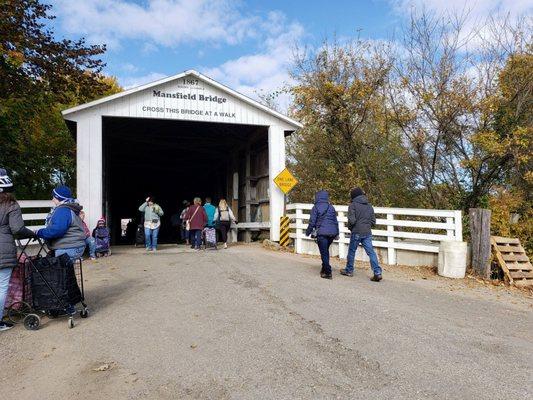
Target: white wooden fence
(413, 229)
(34, 212)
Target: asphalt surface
(248, 323)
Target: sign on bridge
(285, 181)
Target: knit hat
(356, 192)
(6, 185)
(62, 193)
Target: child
(102, 237)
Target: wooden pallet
(513, 260)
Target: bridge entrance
(179, 160)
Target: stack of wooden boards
(513, 260)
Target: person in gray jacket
(64, 232)
(361, 219)
(11, 224)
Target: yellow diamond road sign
(285, 181)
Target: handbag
(314, 232)
(188, 222)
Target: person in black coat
(361, 219)
(324, 226)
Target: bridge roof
(255, 104)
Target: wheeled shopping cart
(51, 286)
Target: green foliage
(40, 76)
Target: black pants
(223, 228)
(323, 245)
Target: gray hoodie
(361, 216)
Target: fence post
(342, 245)
(298, 242)
(459, 225)
(480, 240)
(391, 251)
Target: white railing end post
(391, 251)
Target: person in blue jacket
(64, 233)
(323, 223)
(210, 211)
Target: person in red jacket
(196, 219)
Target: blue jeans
(150, 238)
(73, 252)
(5, 276)
(196, 238)
(323, 245)
(91, 243)
(366, 241)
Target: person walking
(152, 222)
(223, 219)
(11, 224)
(324, 227)
(196, 220)
(210, 211)
(185, 234)
(361, 219)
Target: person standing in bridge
(11, 224)
(223, 219)
(152, 221)
(361, 219)
(196, 220)
(324, 227)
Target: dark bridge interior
(171, 160)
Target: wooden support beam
(248, 193)
(480, 239)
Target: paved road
(247, 323)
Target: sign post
(286, 182)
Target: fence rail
(34, 212)
(413, 229)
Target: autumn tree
(39, 76)
(444, 96)
(347, 139)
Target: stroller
(49, 286)
(102, 238)
(209, 236)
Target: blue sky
(247, 45)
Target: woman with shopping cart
(11, 225)
(64, 233)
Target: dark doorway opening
(171, 160)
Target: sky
(245, 44)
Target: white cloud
(479, 17)
(129, 67)
(129, 82)
(167, 23)
(477, 9)
(266, 70)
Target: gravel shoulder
(247, 323)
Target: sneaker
(376, 278)
(71, 310)
(346, 273)
(225, 245)
(325, 276)
(5, 326)
(93, 258)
